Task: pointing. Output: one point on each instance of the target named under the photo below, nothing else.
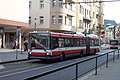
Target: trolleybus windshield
(40, 40)
(113, 42)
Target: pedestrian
(25, 45)
(14, 45)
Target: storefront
(10, 31)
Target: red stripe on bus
(38, 53)
(67, 51)
(94, 38)
(67, 35)
(56, 52)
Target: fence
(76, 65)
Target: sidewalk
(12, 54)
(110, 73)
(8, 50)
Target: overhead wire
(92, 2)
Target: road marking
(1, 66)
(17, 69)
(24, 71)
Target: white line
(1, 66)
(17, 69)
(24, 71)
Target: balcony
(87, 18)
(62, 28)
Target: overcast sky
(17, 10)
(112, 11)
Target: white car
(105, 46)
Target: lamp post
(114, 32)
(35, 25)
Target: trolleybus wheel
(62, 57)
(81, 53)
(95, 51)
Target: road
(20, 71)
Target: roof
(92, 36)
(109, 22)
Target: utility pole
(114, 32)
(35, 25)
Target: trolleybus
(52, 45)
(114, 44)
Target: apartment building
(52, 15)
(117, 32)
(65, 15)
(111, 30)
(100, 19)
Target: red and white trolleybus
(51, 45)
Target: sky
(112, 11)
(17, 10)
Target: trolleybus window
(67, 42)
(39, 41)
(113, 42)
(96, 43)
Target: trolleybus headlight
(30, 52)
(48, 53)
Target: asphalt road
(21, 71)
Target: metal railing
(76, 65)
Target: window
(76, 42)
(70, 6)
(93, 14)
(41, 4)
(60, 3)
(29, 4)
(83, 10)
(41, 19)
(11, 37)
(53, 3)
(40, 41)
(81, 42)
(85, 13)
(80, 8)
(60, 20)
(29, 20)
(65, 20)
(53, 20)
(81, 24)
(70, 22)
(67, 42)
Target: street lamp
(35, 25)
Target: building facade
(117, 30)
(111, 30)
(66, 15)
(52, 15)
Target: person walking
(25, 45)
